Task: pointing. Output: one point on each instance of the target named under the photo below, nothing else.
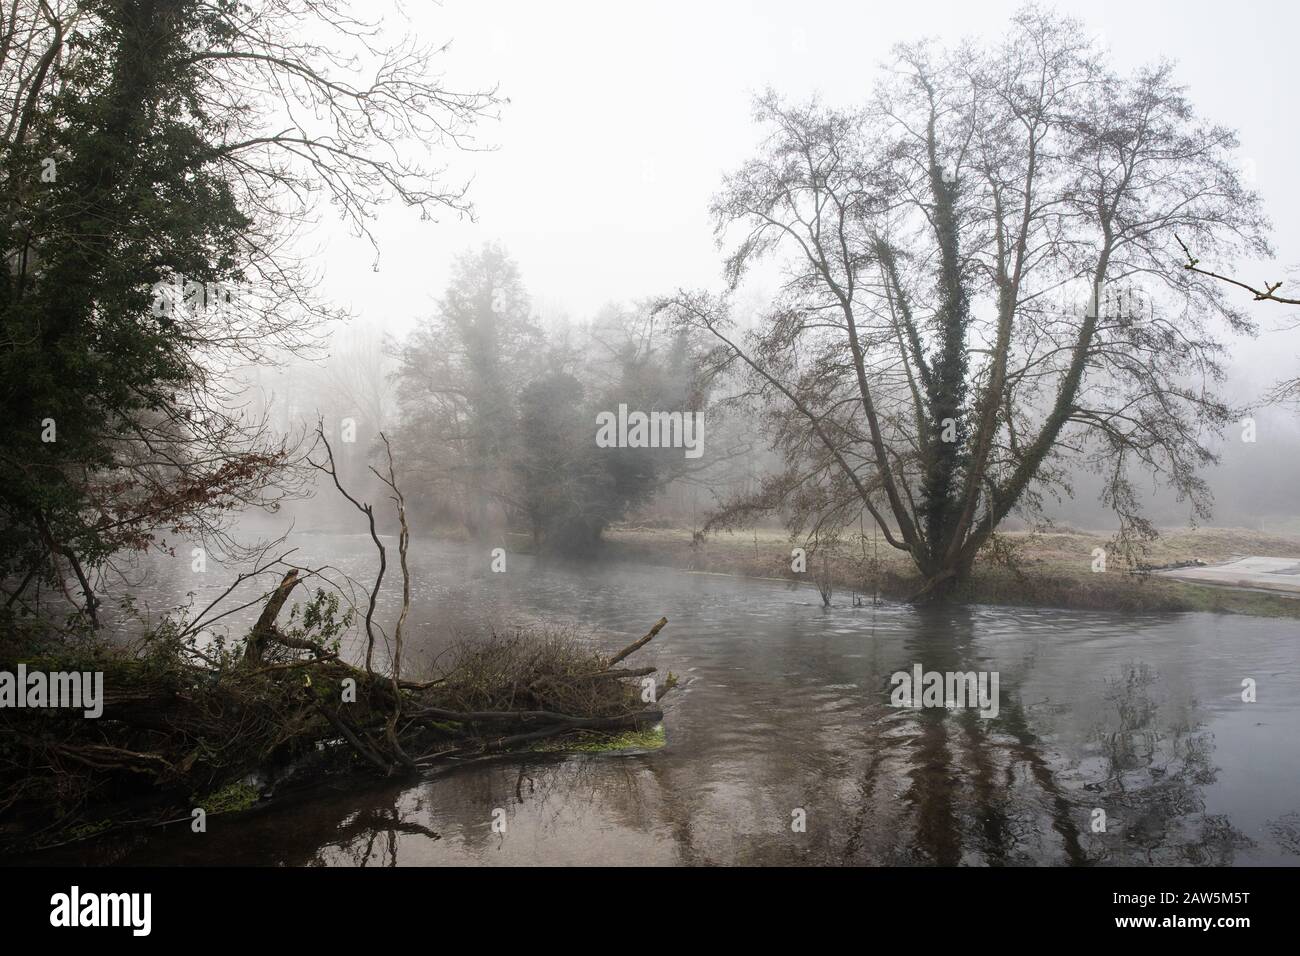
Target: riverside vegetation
(1035, 569)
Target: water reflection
(785, 706)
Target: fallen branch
(637, 645)
(265, 625)
(618, 672)
(341, 726)
(292, 665)
(176, 727)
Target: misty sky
(624, 117)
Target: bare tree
(922, 360)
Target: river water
(784, 714)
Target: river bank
(190, 728)
(734, 588)
(1033, 569)
(785, 705)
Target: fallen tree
(175, 736)
(188, 723)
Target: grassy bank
(1038, 569)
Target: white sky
(624, 117)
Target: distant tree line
(497, 418)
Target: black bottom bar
(208, 906)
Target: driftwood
(404, 537)
(419, 704)
(475, 716)
(555, 724)
(619, 672)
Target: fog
(914, 388)
(597, 177)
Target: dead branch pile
(173, 734)
(182, 724)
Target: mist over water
(785, 705)
(547, 322)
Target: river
(783, 715)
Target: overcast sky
(624, 117)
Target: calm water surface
(785, 705)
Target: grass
(229, 799)
(650, 738)
(1047, 569)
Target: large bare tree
(979, 294)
